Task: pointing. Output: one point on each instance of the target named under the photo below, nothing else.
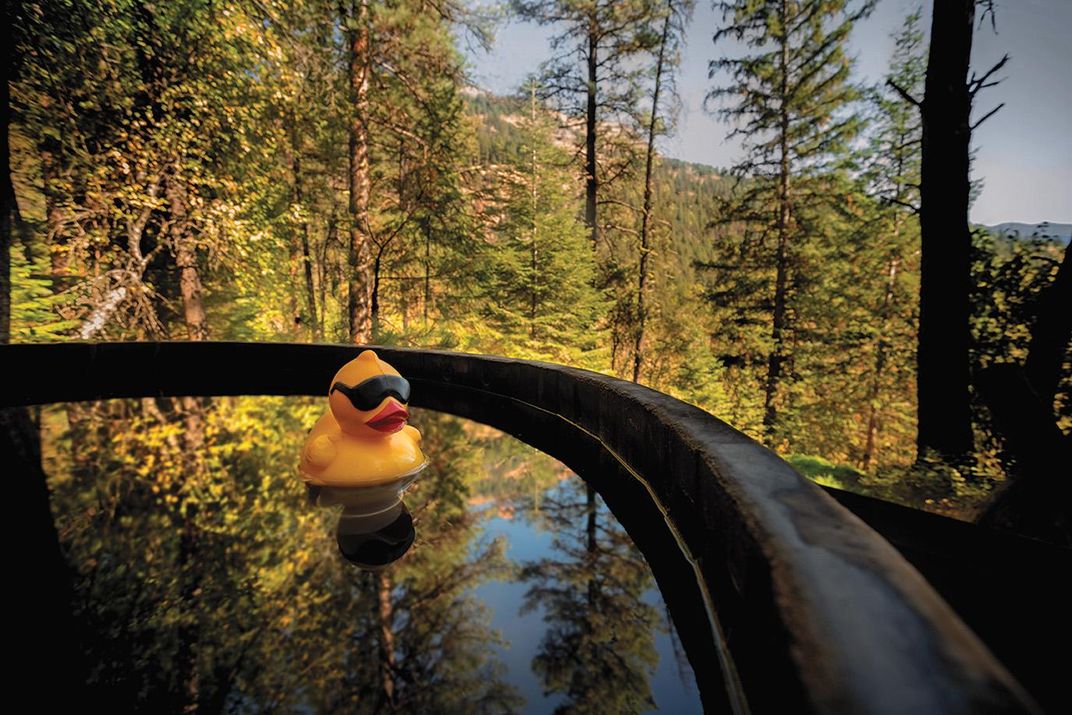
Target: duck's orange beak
(391, 418)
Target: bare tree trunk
(591, 182)
(359, 255)
(777, 357)
(945, 282)
(646, 210)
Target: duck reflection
(375, 528)
(375, 541)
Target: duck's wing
(321, 451)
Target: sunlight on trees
(312, 171)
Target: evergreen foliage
(789, 97)
(183, 170)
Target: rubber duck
(363, 439)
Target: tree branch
(974, 85)
(904, 204)
(904, 94)
(986, 116)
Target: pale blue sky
(1024, 152)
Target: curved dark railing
(784, 600)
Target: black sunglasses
(368, 393)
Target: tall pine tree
(539, 294)
(788, 97)
(676, 15)
(893, 176)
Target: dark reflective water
(207, 578)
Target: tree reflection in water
(207, 582)
(599, 649)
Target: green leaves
(35, 306)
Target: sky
(1023, 153)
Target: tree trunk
(1051, 334)
(359, 254)
(591, 182)
(189, 630)
(591, 544)
(945, 282)
(59, 257)
(534, 249)
(45, 634)
(8, 204)
(427, 275)
(385, 615)
(1037, 501)
(533, 281)
(193, 442)
(375, 307)
(46, 641)
(303, 233)
(325, 273)
(777, 358)
(880, 365)
(193, 305)
(646, 209)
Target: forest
(310, 171)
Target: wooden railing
(784, 600)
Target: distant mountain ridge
(1060, 232)
(500, 138)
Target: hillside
(1060, 232)
(686, 194)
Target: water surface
(203, 574)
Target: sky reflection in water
(520, 592)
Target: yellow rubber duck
(363, 440)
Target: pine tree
(894, 158)
(608, 36)
(539, 295)
(788, 98)
(423, 144)
(356, 20)
(676, 16)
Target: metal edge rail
(820, 612)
